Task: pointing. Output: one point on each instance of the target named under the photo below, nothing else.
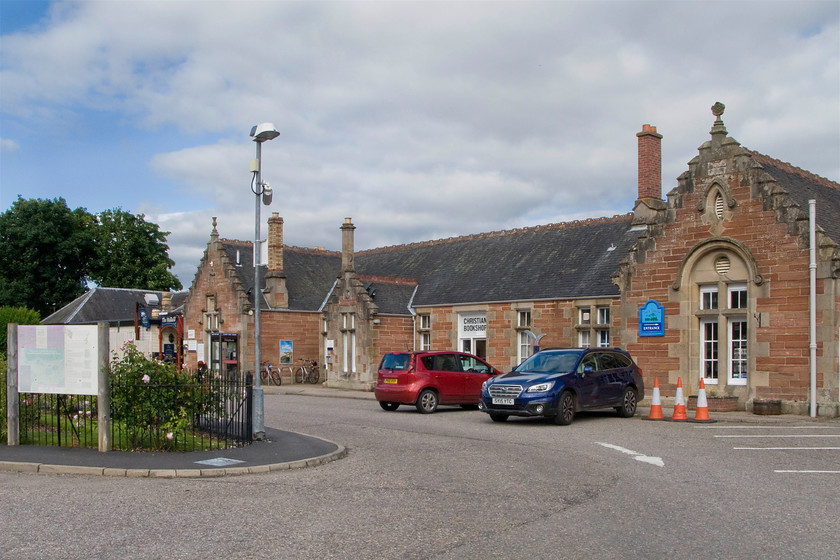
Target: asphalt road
(455, 485)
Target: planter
(767, 406)
(716, 404)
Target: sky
(418, 120)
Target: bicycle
(309, 374)
(270, 372)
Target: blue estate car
(558, 383)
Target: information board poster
(58, 359)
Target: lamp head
(263, 132)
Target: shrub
(154, 402)
(19, 315)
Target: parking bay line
(787, 448)
(636, 455)
(806, 472)
(791, 436)
(762, 427)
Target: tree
(52, 253)
(131, 253)
(46, 249)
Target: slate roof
(556, 261)
(391, 295)
(803, 186)
(110, 305)
(310, 273)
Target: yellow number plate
(390, 380)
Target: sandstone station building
(712, 281)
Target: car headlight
(540, 387)
(484, 387)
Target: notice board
(58, 359)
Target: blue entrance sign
(652, 319)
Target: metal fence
(209, 413)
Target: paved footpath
(280, 450)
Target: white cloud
(8, 145)
(422, 119)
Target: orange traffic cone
(656, 403)
(679, 403)
(701, 414)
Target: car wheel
(427, 402)
(389, 406)
(628, 403)
(565, 409)
(498, 417)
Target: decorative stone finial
(718, 131)
(215, 233)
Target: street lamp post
(260, 133)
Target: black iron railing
(195, 414)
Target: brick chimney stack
(275, 279)
(650, 163)
(347, 249)
(275, 242)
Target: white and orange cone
(679, 403)
(701, 414)
(656, 403)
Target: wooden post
(104, 391)
(12, 401)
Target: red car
(428, 379)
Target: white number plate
(502, 401)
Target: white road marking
(751, 427)
(790, 448)
(807, 472)
(657, 461)
(792, 436)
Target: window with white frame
(723, 336)
(525, 346)
(708, 297)
(425, 322)
(348, 322)
(603, 315)
(583, 339)
(585, 316)
(603, 338)
(737, 351)
(737, 296)
(709, 350)
(425, 341)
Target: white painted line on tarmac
(788, 448)
(807, 472)
(789, 436)
(717, 427)
(657, 461)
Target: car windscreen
(550, 362)
(396, 361)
